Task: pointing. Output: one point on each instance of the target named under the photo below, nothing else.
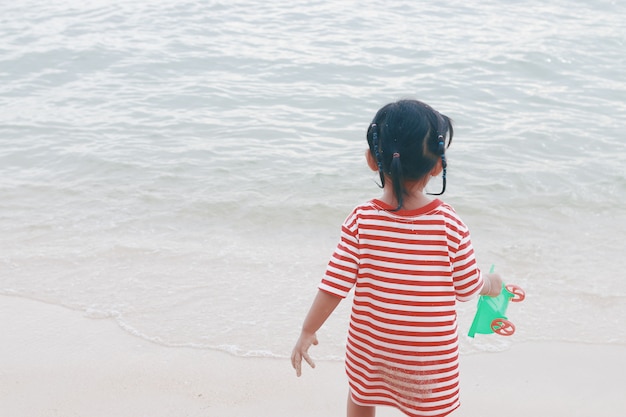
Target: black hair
(407, 138)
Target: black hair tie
(441, 145)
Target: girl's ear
(437, 169)
(371, 161)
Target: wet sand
(56, 362)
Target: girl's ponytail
(397, 179)
(377, 152)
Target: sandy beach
(56, 362)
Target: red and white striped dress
(408, 269)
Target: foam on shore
(57, 362)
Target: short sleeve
(467, 278)
(343, 266)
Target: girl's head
(407, 139)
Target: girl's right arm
(493, 285)
(323, 305)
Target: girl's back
(408, 269)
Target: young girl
(409, 259)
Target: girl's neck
(413, 199)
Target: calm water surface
(183, 167)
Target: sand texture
(56, 362)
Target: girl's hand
(493, 285)
(323, 305)
(300, 351)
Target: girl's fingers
(299, 353)
(296, 362)
(308, 360)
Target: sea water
(183, 167)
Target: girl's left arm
(322, 307)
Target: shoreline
(57, 362)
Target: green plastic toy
(491, 313)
